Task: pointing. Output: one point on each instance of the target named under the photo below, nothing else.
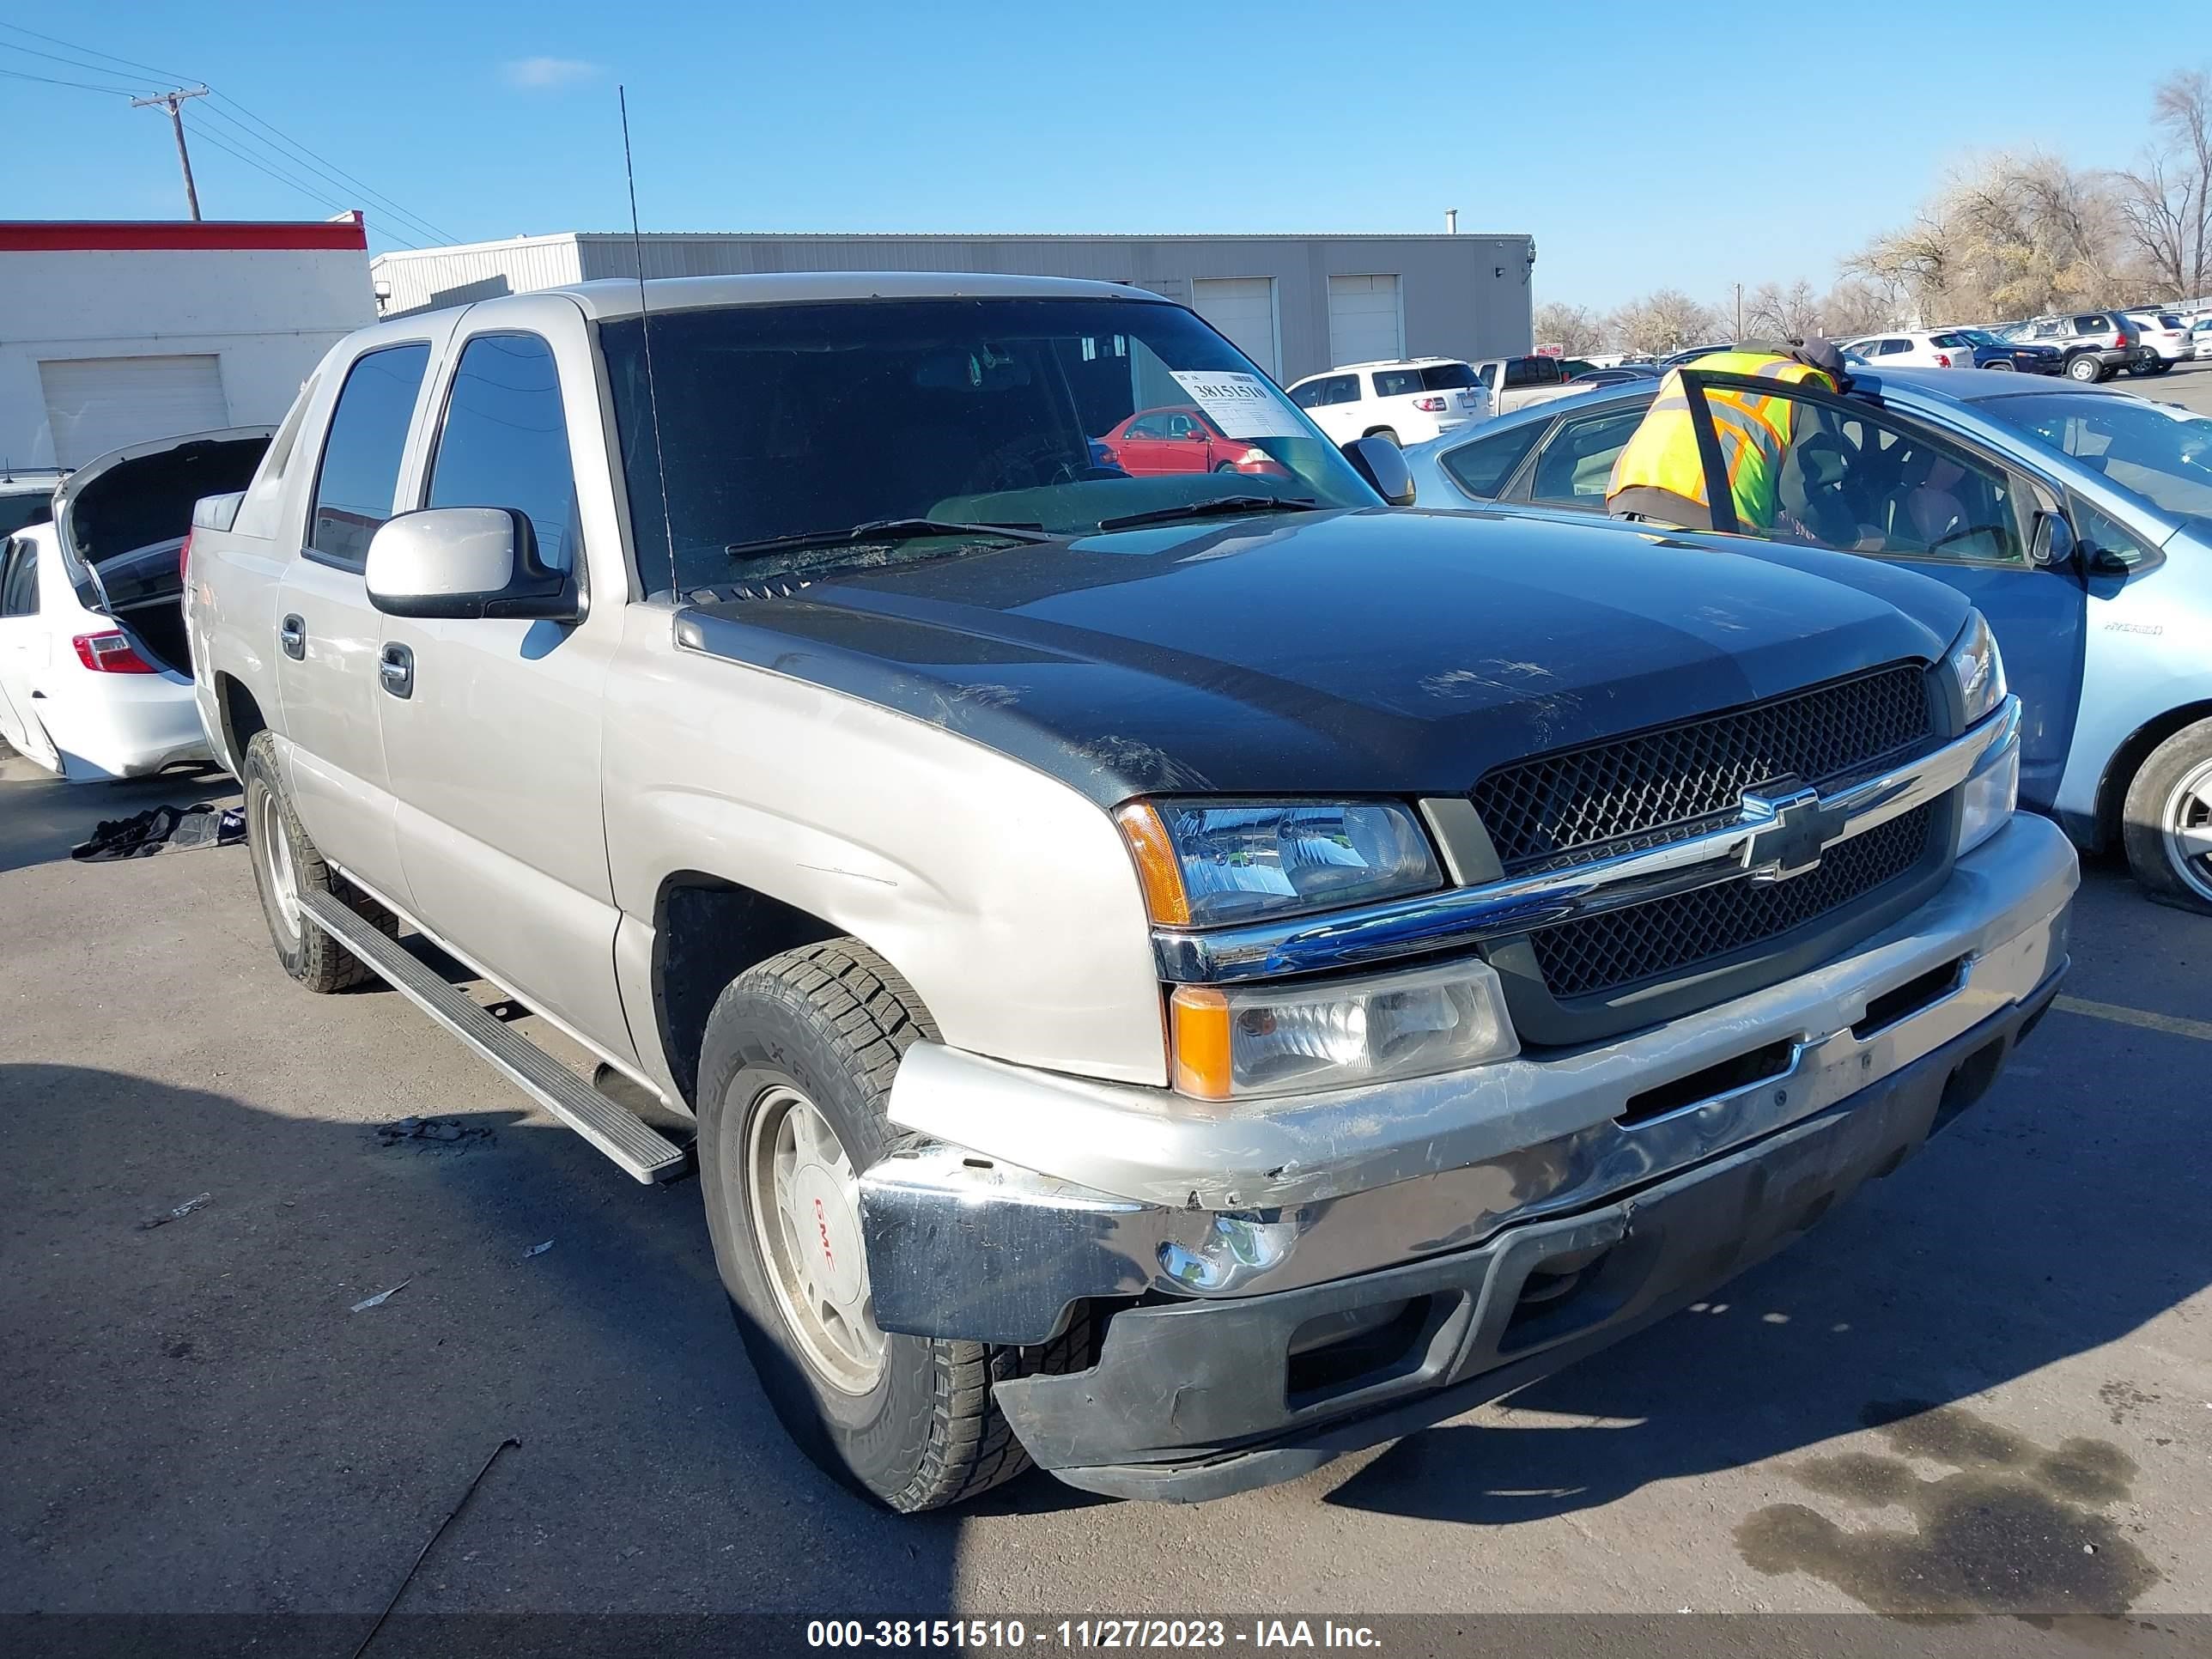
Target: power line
(55, 57)
(294, 143)
(392, 208)
(321, 198)
(86, 86)
(318, 164)
(92, 51)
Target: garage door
(95, 404)
(1365, 325)
(1243, 308)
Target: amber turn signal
(1198, 1025)
(1158, 871)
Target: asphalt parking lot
(2189, 385)
(1986, 1385)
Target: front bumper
(1037, 1191)
(1203, 1398)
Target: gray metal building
(1297, 305)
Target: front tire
(2166, 824)
(795, 1072)
(285, 866)
(2085, 368)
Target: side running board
(647, 1155)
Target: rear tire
(2085, 368)
(907, 1421)
(2168, 815)
(285, 864)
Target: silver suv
(2098, 344)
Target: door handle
(395, 668)
(292, 634)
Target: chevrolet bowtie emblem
(1790, 829)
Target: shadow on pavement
(197, 1421)
(2051, 1219)
(41, 817)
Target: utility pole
(175, 103)
(1739, 291)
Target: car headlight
(1987, 799)
(1203, 863)
(1230, 1042)
(1977, 667)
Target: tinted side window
(360, 474)
(1576, 465)
(2090, 324)
(1482, 467)
(20, 512)
(1311, 395)
(19, 578)
(505, 442)
(1340, 389)
(1397, 382)
(1847, 480)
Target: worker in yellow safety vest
(1661, 474)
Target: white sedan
(95, 676)
(1941, 347)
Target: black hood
(1379, 652)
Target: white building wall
(410, 280)
(267, 314)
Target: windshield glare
(782, 420)
(2163, 456)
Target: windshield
(783, 420)
(2163, 455)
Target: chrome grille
(1621, 948)
(1538, 810)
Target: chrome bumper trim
(967, 1238)
(1767, 842)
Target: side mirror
(2053, 545)
(465, 562)
(1384, 465)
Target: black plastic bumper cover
(1199, 1400)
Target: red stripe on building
(125, 235)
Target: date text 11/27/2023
(1006, 1635)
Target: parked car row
(2078, 519)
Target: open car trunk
(123, 518)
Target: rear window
(1447, 377)
(2168, 319)
(1482, 467)
(1531, 371)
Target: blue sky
(1693, 145)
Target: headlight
(1235, 1041)
(1978, 666)
(1986, 800)
(1203, 863)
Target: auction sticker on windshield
(1242, 405)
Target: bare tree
(1856, 306)
(1666, 320)
(1578, 329)
(2009, 235)
(2166, 203)
(1774, 312)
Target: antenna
(645, 329)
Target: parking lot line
(2173, 1024)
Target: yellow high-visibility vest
(1661, 475)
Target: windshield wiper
(885, 530)
(1219, 505)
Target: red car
(1182, 439)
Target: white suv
(2165, 333)
(1408, 401)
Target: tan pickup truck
(1521, 382)
(1169, 975)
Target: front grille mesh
(1622, 948)
(1537, 810)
